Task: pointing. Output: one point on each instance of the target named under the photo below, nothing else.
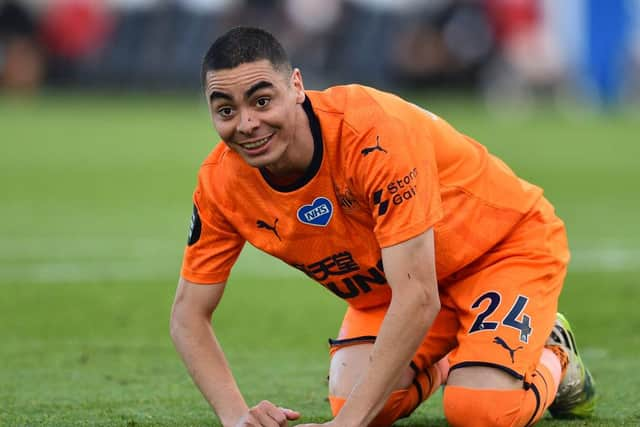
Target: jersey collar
(316, 160)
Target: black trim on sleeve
(488, 365)
(195, 228)
(362, 339)
(316, 160)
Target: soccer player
(450, 264)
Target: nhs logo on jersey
(317, 213)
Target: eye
(263, 101)
(225, 111)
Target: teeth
(257, 143)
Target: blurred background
(584, 50)
(103, 127)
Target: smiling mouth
(256, 144)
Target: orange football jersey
(383, 171)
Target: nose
(247, 123)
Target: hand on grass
(266, 414)
(327, 424)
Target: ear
(297, 85)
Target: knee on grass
(483, 407)
(401, 403)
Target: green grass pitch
(95, 205)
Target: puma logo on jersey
(368, 150)
(503, 344)
(261, 224)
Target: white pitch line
(113, 259)
(606, 259)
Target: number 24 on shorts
(511, 319)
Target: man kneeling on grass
(450, 264)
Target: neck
(299, 152)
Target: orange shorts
(496, 312)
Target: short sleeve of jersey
(401, 183)
(213, 245)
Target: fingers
(266, 414)
(290, 413)
(273, 414)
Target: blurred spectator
(573, 49)
(530, 61)
(361, 45)
(309, 35)
(74, 31)
(445, 43)
(200, 21)
(313, 17)
(21, 59)
(635, 49)
(75, 28)
(608, 59)
(513, 49)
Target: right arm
(213, 247)
(196, 342)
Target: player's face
(255, 110)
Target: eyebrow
(256, 87)
(219, 95)
(253, 89)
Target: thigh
(359, 331)
(507, 306)
(349, 363)
(351, 349)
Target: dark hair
(241, 45)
